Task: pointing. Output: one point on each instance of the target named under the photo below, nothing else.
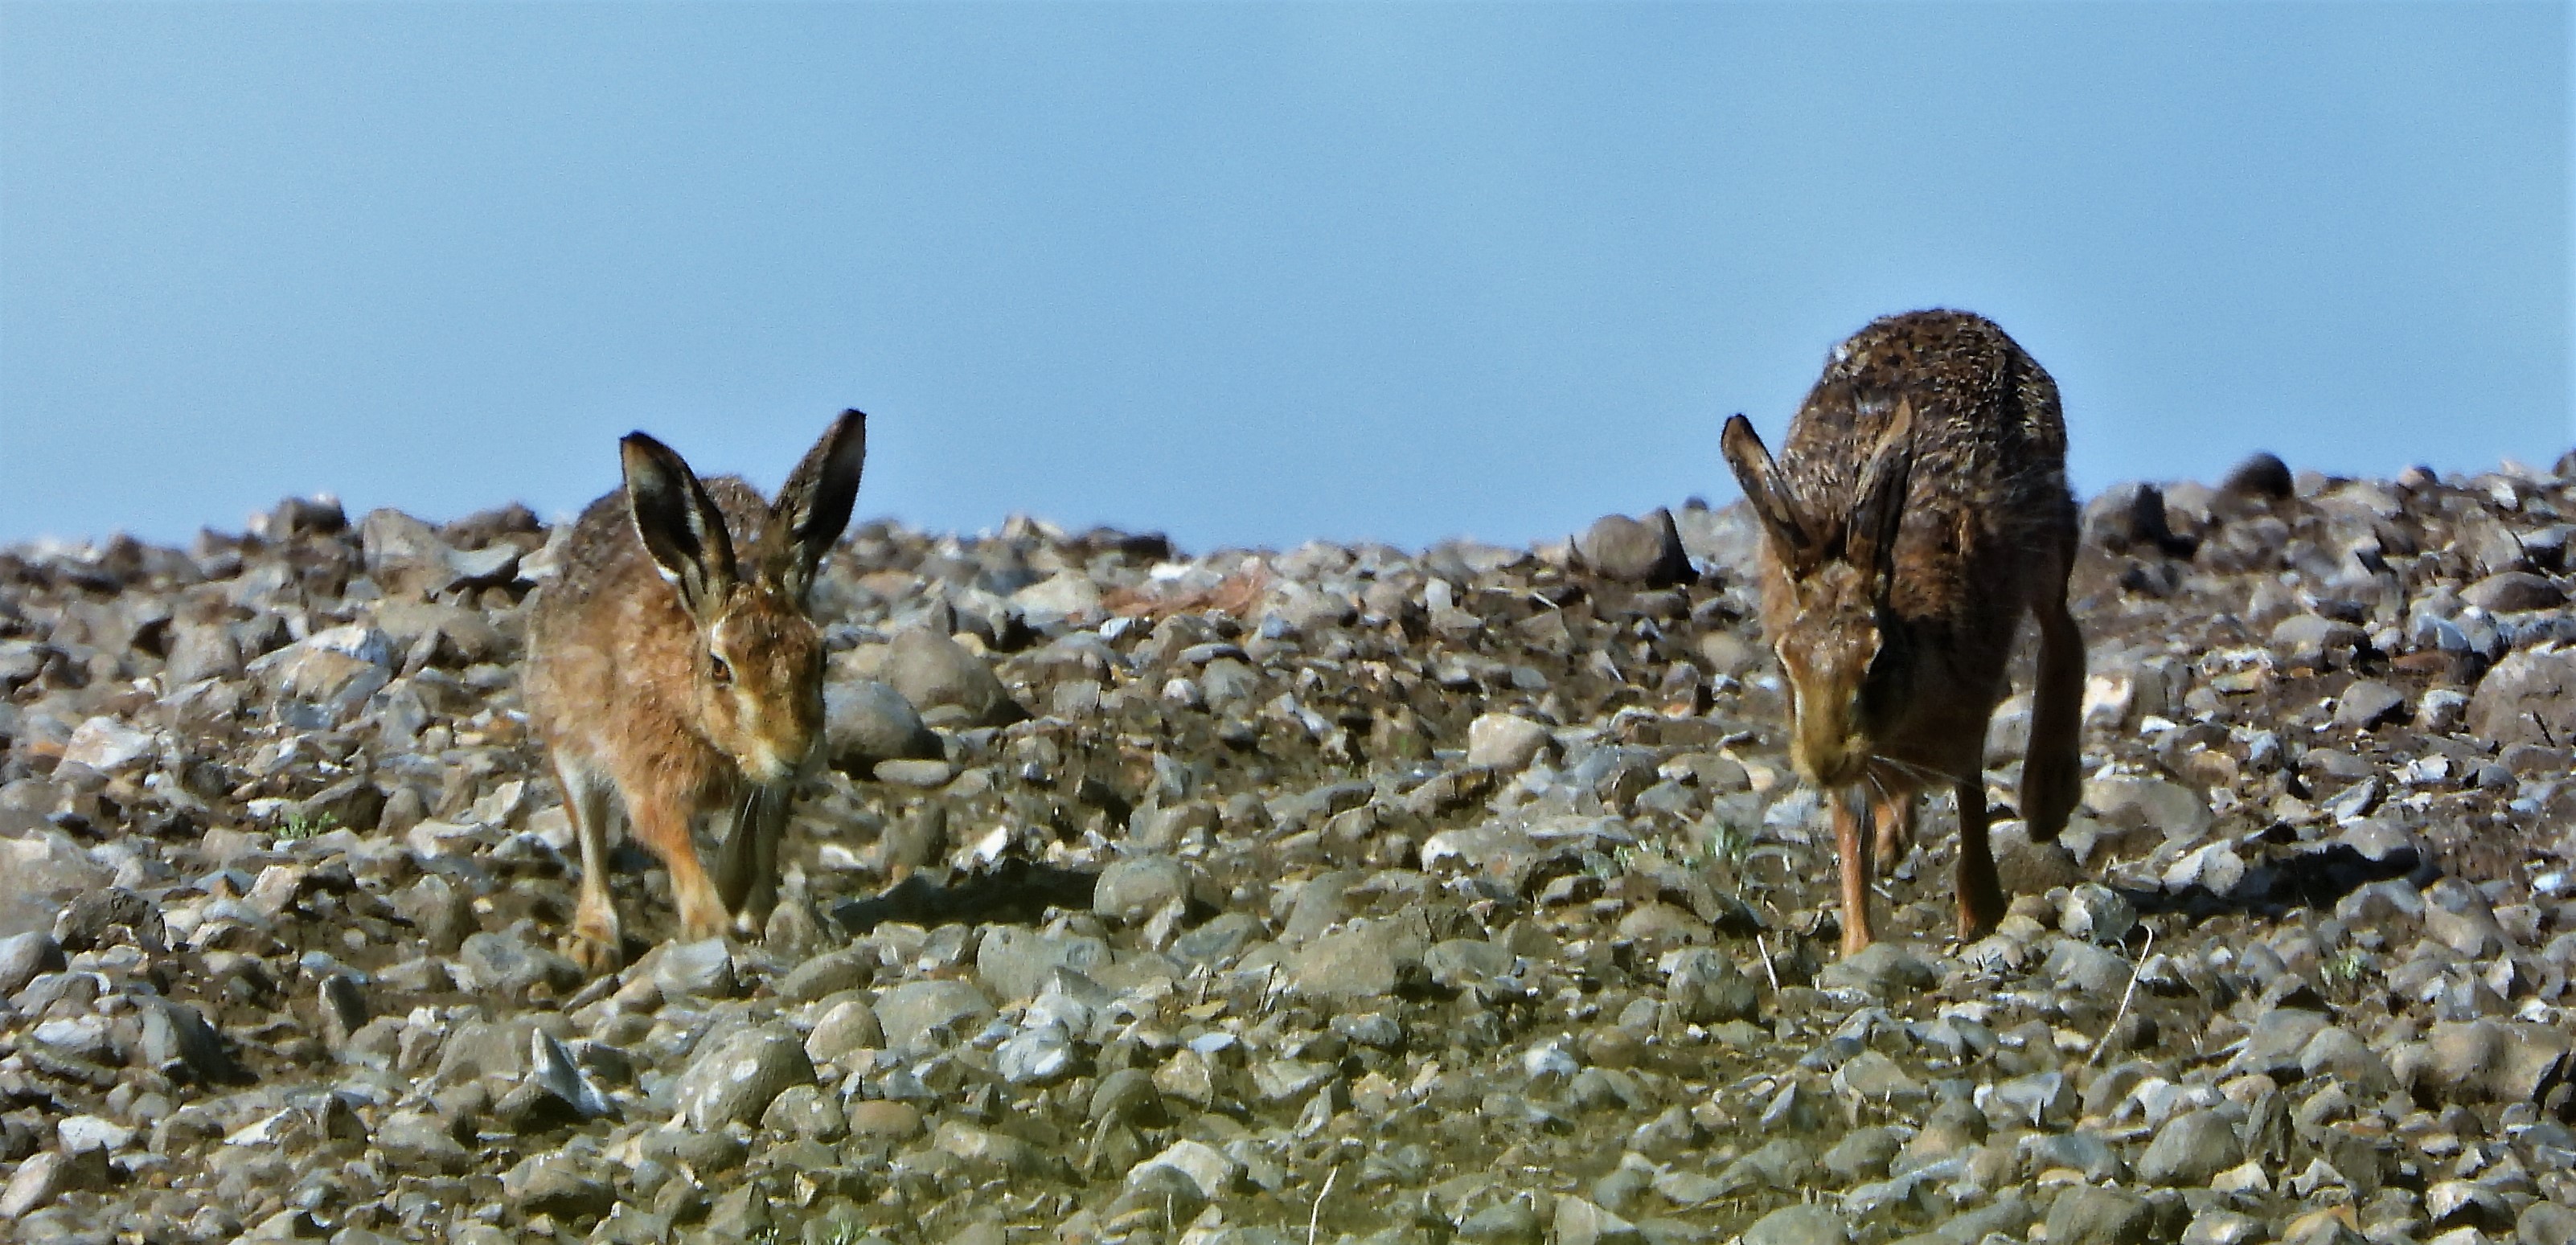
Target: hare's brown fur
(1893, 611)
(689, 697)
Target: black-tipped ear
(814, 505)
(677, 520)
(1879, 509)
(1791, 538)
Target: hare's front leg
(598, 943)
(747, 867)
(1852, 843)
(664, 827)
(1981, 897)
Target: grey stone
(37, 1182)
(2483, 1059)
(1504, 742)
(735, 1080)
(865, 721)
(1209, 1170)
(846, 1026)
(1880, 969)
(2098, 914)
(1362, 960)
(2367, 704)
(1862, 1155)
(827, 975)
(2528, 698)
(204, 650)
(552, 1069)
(915, 1013)
(503, 964)
(1014, 963)
(1459, 963)
(2458, 915)
(2084, 969)
(806, 1111)
(2189, 1149)
(404, 555)
(179, 1043)
(1136, 887)
(2546, 1223)
(1581, 1222)
(2336, 1052)
(22, 956)
(701, 969)
(1509, 1222)
(2513, 592)
(2083, 1215)
(2262, 475)
(1036, 1056)
(1708, 987)
(2154, 803)
(1802, 1224)
(109, 746)
(420, 1139)
(1647, 552)
(932, 670)
(551, 1185)
(921, 774)
(2217, 1226)
(2309, 637)
(443, 914)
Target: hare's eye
(717, 666)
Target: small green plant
(301, 825)
(1717, 843)
(2344, 971)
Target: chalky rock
(735, 1079)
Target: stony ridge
(1345, 893)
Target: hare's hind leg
(1896, 813)
(2053, 770)
(1981, 896)
(1853, 844)
(598, 942)
(747, 871)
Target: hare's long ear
(1877, 512)
(814, 505)
(1791, 537)
(679, 523)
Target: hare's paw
(1895, 841)
(1981, 908)
(596, 944)
(703, 916)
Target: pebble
(735, 1079)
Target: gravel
(1149, 896)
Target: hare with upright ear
(671, 664)
(1917, 510)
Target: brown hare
(671, 662)
(1918, 508)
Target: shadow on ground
(1016, 892)
(2317, 880)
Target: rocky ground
(1346, 894)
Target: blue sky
(1248, 274)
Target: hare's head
(1844, 668)
(758, 683)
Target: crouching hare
(671, 663)
(1918, 508)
